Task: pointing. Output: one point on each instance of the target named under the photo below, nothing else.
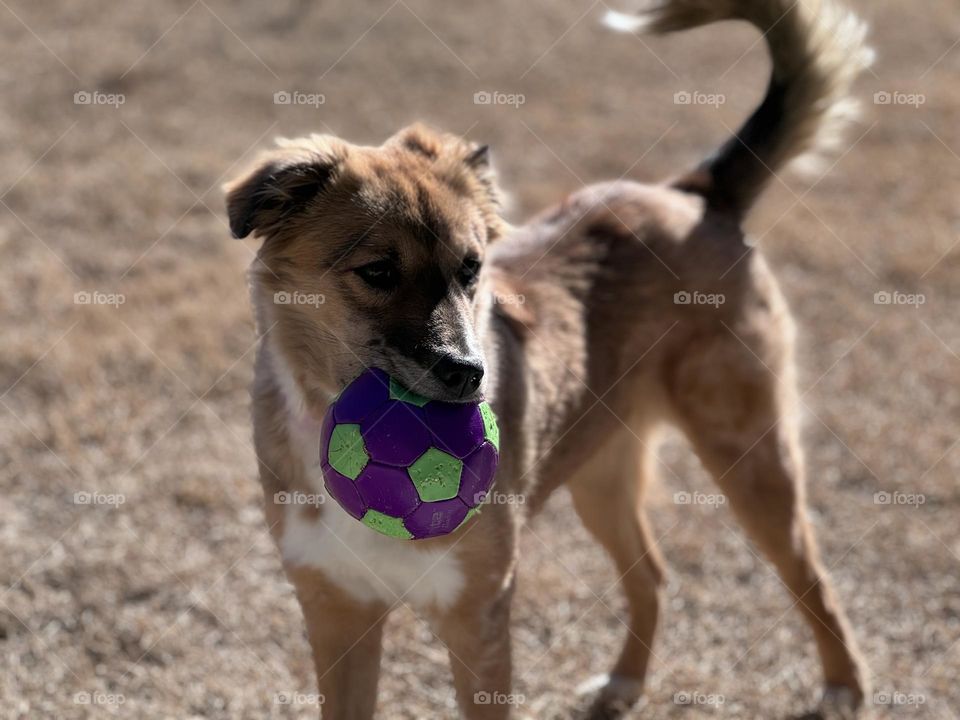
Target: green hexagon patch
(491, 430)
(436, 475)
(346, 452)
(385, 524)
(399, 392)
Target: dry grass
(175, 599)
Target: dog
(414, 268)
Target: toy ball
(404, 465)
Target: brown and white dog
(405, 245)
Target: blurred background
(136, 575)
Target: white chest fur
(365, 564)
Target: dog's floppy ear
(281, 183)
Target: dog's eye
(381, 274)
(468, 272)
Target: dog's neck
(301, 415)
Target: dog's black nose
(460, 374)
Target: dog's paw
(614, 695)
(840, 702)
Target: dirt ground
(136, 575)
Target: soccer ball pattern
(406, 466)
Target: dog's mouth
(447, 385)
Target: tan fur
(598, 349)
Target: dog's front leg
(345, 637)
(476, 632)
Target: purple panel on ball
(395, 434)
(362, 396)
(477, 476)
(458, 427)
(435, 518)
(388, 490)
(342, 489)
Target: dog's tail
(817, 48)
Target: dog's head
(371, 257)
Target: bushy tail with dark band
(817, 48)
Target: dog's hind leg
(733, 394)
(608, 496)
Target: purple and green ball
(406, 466)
